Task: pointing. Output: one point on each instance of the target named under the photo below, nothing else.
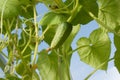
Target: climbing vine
(21, 35)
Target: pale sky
(111, 74)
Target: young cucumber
(62, 33)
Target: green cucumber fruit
(63, 31)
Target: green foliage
(13, 8)
(95, 50)
(21, 33)
(53, 66)
(82, 16)
(50, 21)
(108, 13)
(9, 8)
(117, 53)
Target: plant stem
(27, 42)
(97, 68)
(2, 13)
(69, 53)
(59, 68)
(63, 61)
(37, 40)
(75, 10)
(42, 36)
(1, 52)
(62, 9)
(101, 23)
(59, 3)
(67, 66)
(26, 46)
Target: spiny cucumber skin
(62, 33)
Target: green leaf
(47, 66)
(51, 20)
(11, 8)
(117, 42)
(26, 8)
(26, 11)
(20, 68)
(95, 50)
(109, 11)
(52, 66)
(117, 60)
(24, 2)
(117, 53)
(2, 79)
(117, 29)
(82, 16)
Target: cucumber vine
(24, 34)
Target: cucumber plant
(23, 32)
(63, 31)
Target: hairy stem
(74, 11)
(69, 53)
(37, 40)
(59, 3)
(101, 23)
(2, 13)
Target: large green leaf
(117, 42)
(26, 11)
(109, 11)
(52, 66)
(20, 68)
(14, 8)
(82, 16)
(95, 50)
(24, 2)
(117, 53)
(117, 60)
(51, 20)
(47, 66)
(11, 8)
